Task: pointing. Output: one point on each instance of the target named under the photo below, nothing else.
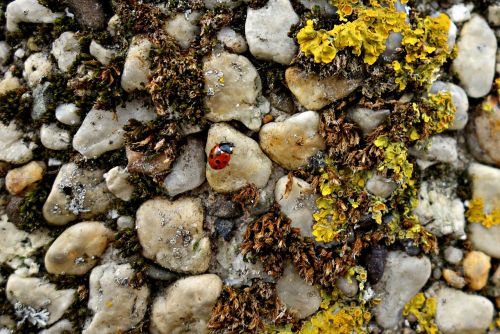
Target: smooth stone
(124, 222)
(76, 193)
(30, 11)
(36, 68)
(188, 171)
(68, 113)
(298, 203)
(232, 40)
(102, 54)
(315, 93)
(459, 99)
(368, 119)
(460, 12)
(486, 133)
(476, 269)
(248, 164)
(65, 49)
(40, 295)
(403, 278)
(485, 181)
(186, 306)
(440, 149)
(13, 147)
(171, 234)
(136, 69)
(102, 130)
(89, 13)
(266, 31)
(475, 62)
(54, 138)
(348, 286)
(486, 240)
(380, 186)
(453, 255)
(77, 249)
(117, 305)
(17, 179)
(292, 142)
(461, 313)
(300, 298)
(184, 28)
(453, 279)
(234, 90)
(118, 184)
(61, 327)
(494, 14)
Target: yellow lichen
(443, 111)
(476, 213)
(339, 319)
(424, 309)
(395, 158)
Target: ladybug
(220, 155)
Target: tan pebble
(476, 269)
(453, 279)
(18, 179)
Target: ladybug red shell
(220, 155)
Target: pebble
(232, 40)
(13, 147)
(248, 164)
(117, 183)
(459, 99)
(77, 249)
(292, 142)
(65, 49)
(186, 306)
(475, 62)
(40, 295)
(37, 67)
(453, 255)
(188, 170)
(403, 278)
(494, 15)
(453, 279)
(124, 222)
(68, 113)
(184, 28)
(171, 234)
(367, 119)
(234, 90)
(89, 13)
(380, 186)
(30, 11)
(484, 137)
(54, 138)
(17, 179)
(4, 52)
(300, 298)
(61, 327)
(102, 54)
(460, 12)
(476, 269)
(348, 286)
(461, 313)
(136, 69)
(117, 305)
(147, 163)
(315, 93)
(42, 97)
(266, 31)
(298, 203)
(9, 83)
(439, 149)
(76, 193)
(102, 130)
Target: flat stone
(171, 234)
(77, 249)
(54, 138)
(30, 11)
(183, 27)
(13, 147)
(65, 49)
(17, 179)
(292, 142)
(315, 93)
(476, 269)
(136, 69)
(118, 184)
(186, 306)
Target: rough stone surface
(136, 69)
(12, 146)
(102, 130)
(28, 11)
(368, 119)
(248, 164)
(117, 305)
(461, 313)
(77, 249)
(89, 13)
(117, 183)
(65, 49)
(54, 138)
(185, 307)
(315, 93)
(171, 233)
(484, 139)
(460, 101)
(266, 31)
(68, 113)
(184, 28)
(102, 54)
(299, 297)
(232, 40)
(403, 278)
(380, 186)
(42, 97)
(292, 142)
(233, 90)
(37, 67)
(476, 269)
(9, 83)
(18, 179)
(475, 62)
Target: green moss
(13, 105)
(30, 208)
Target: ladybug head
(226, 147)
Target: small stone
(453, 255)
(136, 69)
(68, 113)
(368, 119)
(186, 306)
(40, 295)
(18, 179)
(476, 269)
(117, 305)
(453, 279)
(77, 249)
(9, 83)
(4, 52)
(266, 30)
(224, 228)
(348, 286)
(234, 90)
(37, 67)
(297, 201)
(484, 137)
(403, 278)
(440, 149)
(460, 12)
(494, 15)
(65, 49)
(60, 327)
(30, 11)
(102, 130)
(76, 193)
(461, 313)
(102, 54)
(315, 93)
(248, 164)
(292, 142)
(171, 234)
(89, 13)
(54, 138)
(42, 97)
(147, 163)
(124, 222)
(13, 147)
(188, 171)
(380, 186)
(300, 298)
(475, 62)
(459, 99)
(232, 40)
(117, 183)
(184, 28)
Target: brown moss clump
(247, 198)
